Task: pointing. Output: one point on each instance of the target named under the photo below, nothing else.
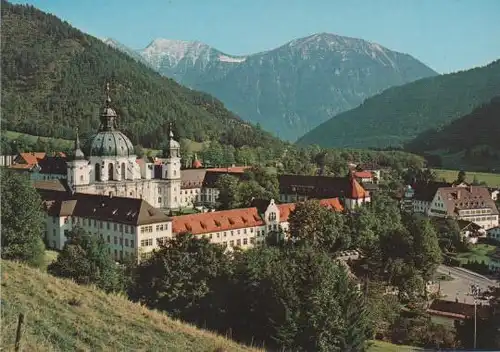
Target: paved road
(459, 288)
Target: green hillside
(53, 78)
(63, 316)
(473, 138)
(399, 114)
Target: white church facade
(110, 167)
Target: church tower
(78, 171)
(171, 171)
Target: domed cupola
(108, 141)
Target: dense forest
(399, 114)
(476, 136)
(53, 78)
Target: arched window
(97, 172)
(123, 171)
(111, 171)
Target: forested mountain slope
(53, 79)
(474, 138)
(399, 114)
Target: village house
(447, 312)
(418, 196)
(472, 203)
(494, 233)
(296, 188)
(40, 165)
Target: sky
(447, 35)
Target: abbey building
(108, 166)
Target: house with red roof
(296, 188)
(40, 165)
(242, 227)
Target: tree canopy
(23, 220)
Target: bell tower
(171, 171)
(78, 172)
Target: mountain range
(399, 114)
(288, 90)
(53, 79)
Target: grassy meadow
(491, 179)
(63, 316)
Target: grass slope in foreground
(63, 316)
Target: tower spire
(108, 115)
(171, 131)
(108, 98)
(78, 151)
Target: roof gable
(123, 210)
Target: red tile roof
(363, 174)
(235, 219)
(286, 209)
(358, 192)
(217, 221)
(32, 158)
(197, 164)
(235, 169)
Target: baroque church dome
(109, 141)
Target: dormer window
(272, 216)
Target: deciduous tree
(22, 220)
(86, 260)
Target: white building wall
(481, 217)
(122, 240)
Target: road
(459, 288)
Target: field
(492, 180)
(192, 146)
(63, 316)
(479, 252)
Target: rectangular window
(108, 225)
(109, 240)
(115, 240)
(53, 232)
(100, 224)
(238, 242)
(231, 243)
(132, 243)
(115, 227)
(121, 241)
(121, 227)
(53, 219)
(116, 254)
(245, 241)
(126, 242)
